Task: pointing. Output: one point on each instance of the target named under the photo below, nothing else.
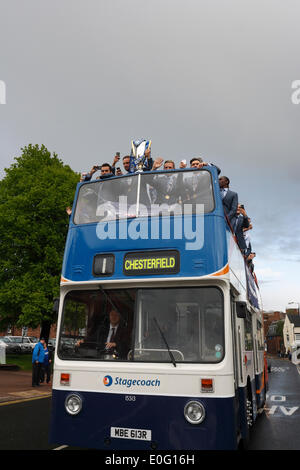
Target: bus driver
(110, 339)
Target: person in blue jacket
(38, 356)
(46, 366)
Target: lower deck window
(145, 325)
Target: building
(272, 330)
(270, 317)
(291, 332)
(274, 338)
(27, 331)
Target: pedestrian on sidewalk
(38, 356)
(46, 366)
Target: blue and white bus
(152, 253)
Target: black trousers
(36, 373)
(45, 370)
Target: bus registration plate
(129, 433)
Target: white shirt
(111, 331)
(223, 192)
(247, 238)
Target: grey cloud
(214, 78)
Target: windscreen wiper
(107, 296)
(165, 341)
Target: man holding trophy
(140, 157)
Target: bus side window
(86, 205)
(214, 332)
(248, 333)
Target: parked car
(11, 347)
(24, 342)
(51, 344)
(33, 339)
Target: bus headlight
(73, 404)
(194, 412)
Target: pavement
(15, 386)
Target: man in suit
(229, 199)
(114, 338)
(247, 238)
(196, 187)
(241, 222)
(166, 185)
(197, 162)
(107, 194)
(249, 261)
(107, 337)
(106, 171)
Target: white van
(24, 342)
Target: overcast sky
(84, 77)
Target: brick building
(18, 331)
(274, 340)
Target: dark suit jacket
(97, 338)
(121, 339)
(242, 222)
(230, 204)
(128, 188)
(197, 190)
(167, 187)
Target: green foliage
(74, 317)
(34, 195)
(279, 328)
(24, 361)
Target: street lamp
(298, 303)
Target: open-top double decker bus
(152, 254)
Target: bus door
(235, 346)
(249, 347)
(260, 377)
(257, 365)
(238, 316)
(237, 352)
(244, 341)
(249, 364)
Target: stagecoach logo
(107, 381)
(128, 383)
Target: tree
(279, 328)
(34, 195)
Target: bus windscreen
(144, 195)
(150, 325)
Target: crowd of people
(235, 212)
(238, 220)
(107, 169)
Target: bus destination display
(159, 262)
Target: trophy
(137, 155)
